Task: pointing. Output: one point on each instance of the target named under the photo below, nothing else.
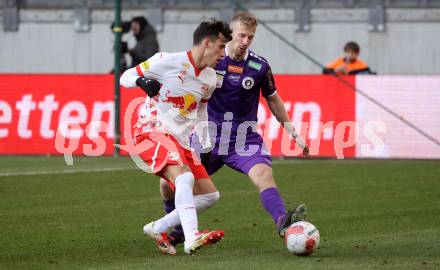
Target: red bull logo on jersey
(185, 104)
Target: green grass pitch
(371, 215)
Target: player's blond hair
(245, 18)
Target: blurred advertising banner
(51, 114)
(34, 109)
(323, 111)
(415, 99)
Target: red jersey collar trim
(191, 60)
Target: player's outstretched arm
(147, 74)
(128, 78)
(150, 87)
(276, 106)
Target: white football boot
(160, 239)
(201, 239)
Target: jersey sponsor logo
(145, 65)
(235, 69)
(219, 82)
(233, 77)
(248, 83)
(254, 65)
(185, 104)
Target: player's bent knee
(204, 186)
(262, 177)
(186, 178)
(166, 192)
(173, 171)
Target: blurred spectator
(349, 64)
(146, 42)
(146, 45)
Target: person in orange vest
(349, 64)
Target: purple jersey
(238, 88)
(238, 91)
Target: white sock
(185, 207)
(171, 220)
(206, 201)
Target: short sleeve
(268, 87)
(155, 67)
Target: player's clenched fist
(151, 87)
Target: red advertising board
(38, 113)
(324, 106)
(132, 105)
(33, 108)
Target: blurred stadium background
(55, 56)
(396, 36)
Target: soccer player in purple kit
(241, 75)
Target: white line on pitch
(3, 174)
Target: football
(302, 238)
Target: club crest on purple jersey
(248, 83)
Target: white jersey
(182, 99)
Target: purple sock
(169, 206)
(273, 203)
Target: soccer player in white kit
(188, 80)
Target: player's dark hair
(211, 29)
(352, 46)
